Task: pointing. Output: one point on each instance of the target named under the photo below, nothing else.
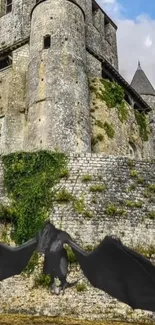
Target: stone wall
(13, 99)
(15, 26)
(58, 114)
(99, 184)
(124, 138)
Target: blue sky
(135, 36)
(133, 8)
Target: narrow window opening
(47, 41)
(5, 62)
(8, 6)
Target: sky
(135, 35)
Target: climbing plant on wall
(29, 179)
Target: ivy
(29, 179)
(143, 125)
(109, 129)
(113, 94)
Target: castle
(48, 51)
(53, 56)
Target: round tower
(58, 103)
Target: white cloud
(136, 41)
(148, 41)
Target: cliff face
(112, 196)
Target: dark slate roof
(141, 83)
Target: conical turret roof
(141, 83)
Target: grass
(97, 188)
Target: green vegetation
(63, 196)
(64, 173)
(70, 254)
(133, 204)
(99, 137)
(81, 286)
(140, 180)
(148, 252)
(99, 124)
(151, 188)
(151, 214)
(131, 163)
(97, 188)
(109, 130)
(95, 139)
(112, 210)
(149, 191)
(133, 173)
(88, 214)
(112, 93)
(86, 178)
(29, 179)
(122, 112)
(144, 130)
(79, 205)
(131, 187)
(42, 280)
(31, 265)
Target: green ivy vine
(29, 179)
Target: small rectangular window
(47, 41)
(5, 61)
(8, 6)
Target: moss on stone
(88, 214)
(42, 280)
(144, 130)
(133, 173)
(109, 130)
(122, 112)
(79, 205)
(29, 179)
(99, 124)
(131, 162)
(133, 204)
(70, 254)
(63, 196)
(151, 214)
(80, 287)
(112, 209)
(86, 178)
(97, 188)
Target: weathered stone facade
(48, 51)
(126, 186)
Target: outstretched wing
(13, 260)
(120, 272)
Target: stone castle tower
(48, 51)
